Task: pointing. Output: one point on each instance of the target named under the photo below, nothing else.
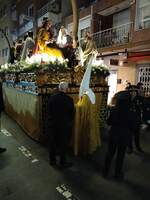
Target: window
(121, 27)
(14, 15)
(84, 25)
(30, 11)
(21, 19)
(82, 32)
(144, 77)
(6, 51)
(92, 1)
(3, 52)
(86, 3)
(143, 14)
(3, 11)
(121, 18)
(6, 30)
(1, 34)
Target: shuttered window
(144, 77)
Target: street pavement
(25, 173)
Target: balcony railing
(26, 27)
(51, 6)
(115, 36)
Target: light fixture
(120, 62)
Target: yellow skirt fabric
(87, 130)
(53, 52)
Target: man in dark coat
(137, 106)
(146, 111)
(61, 117)
(121, 122)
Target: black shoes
(2, 150)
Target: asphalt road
(25, 173)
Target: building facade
(17, 17)
(30, 14)
(8, 22)
(121, 30)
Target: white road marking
(65, 192)
(23, 149)
(27, 154)
(6, 133)
(34, 160)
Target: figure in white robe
(28, 47)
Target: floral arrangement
(23, 67)
(99, 68)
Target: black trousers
(114, 147)
(58, 143)
(135, 138)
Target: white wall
(112, 83)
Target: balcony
(52, 6)
(115, 36)
(25, 28)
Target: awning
(138, 56)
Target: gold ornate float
(33, 86)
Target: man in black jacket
(61, 117)
(122, 124)
(137, 106)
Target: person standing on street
(121, 122)
(61, 116)
(137, 105)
